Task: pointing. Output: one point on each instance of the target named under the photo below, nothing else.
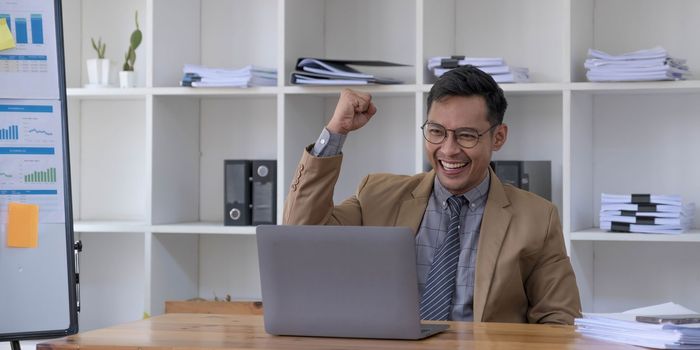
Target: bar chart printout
(30, 148)
(29, 70)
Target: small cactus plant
(134, 42)
(99, 47)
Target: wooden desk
(207, 331)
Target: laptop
(340, 281)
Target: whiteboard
(37, 279)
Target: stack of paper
(494, 66)
(623, 328)
(317, 71)
(200, 76)
(650, 64)
(644, 213)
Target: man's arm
(551, 287)
(310, 197)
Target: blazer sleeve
(310, 197)
(551, 287)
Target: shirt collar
(476, 196)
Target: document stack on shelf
(494, 66)
(644, 213)
(248, 76)
(317, 71)
(649, 64)
(624, 327)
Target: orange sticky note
(6, 39)
(22, 225)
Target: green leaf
(99, 47)
(136, 37)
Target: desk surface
(207, 331)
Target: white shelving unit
(147, 162)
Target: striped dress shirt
(432, 232)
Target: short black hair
(471, 81)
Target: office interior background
(147, 162)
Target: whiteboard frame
(70, 243)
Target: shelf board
(215, 92)
(141, 227)
(203, 228)
(399, 89)
(645, 87)
(110, 226)
(533, 88)
(131, 93)
(112, 93)
(639, 87)
(596, 234)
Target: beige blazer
(522, 271)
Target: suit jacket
(522, 271)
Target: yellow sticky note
(7, 41)
(22, 225)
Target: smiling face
(457, 168)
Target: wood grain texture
(212, 331)
(214, 307)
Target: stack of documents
(494, 66)
(317, 71)
(200, 76)
(650, 64)
(623, 328)
(644, 213)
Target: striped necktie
(440, 285)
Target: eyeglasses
(466, 137)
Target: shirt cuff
(328, 144)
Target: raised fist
(353, 111)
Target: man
(485, 251)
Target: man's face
(460, 169)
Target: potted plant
(98, 68)
(127, 77)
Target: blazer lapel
(494, 226)
(412, 209)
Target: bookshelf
(147, 162)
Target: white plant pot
(127, 79)
(98, 71)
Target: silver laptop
(341, 281)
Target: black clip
(77, 248)
(641, 198)
(646, 208)
(449, 63)
(619, 226)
